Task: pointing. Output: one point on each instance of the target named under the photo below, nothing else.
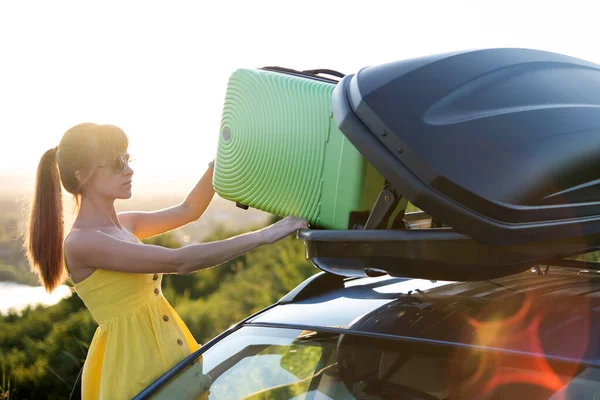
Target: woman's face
(112, 178)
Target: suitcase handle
(324, 71)
(308, 72)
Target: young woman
(140, 336)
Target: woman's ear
(83, 175)
(79, 176)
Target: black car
(530, 335)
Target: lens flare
(520, 331)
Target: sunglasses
(118, 165)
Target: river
(18, 296)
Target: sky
(159, 70)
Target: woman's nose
(127, 170)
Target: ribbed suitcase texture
(280, 151)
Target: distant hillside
(222, 214)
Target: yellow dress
(139, 335)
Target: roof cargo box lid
(501, 144)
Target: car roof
(555, 313)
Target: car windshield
(275, 363)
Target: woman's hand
(283, 228)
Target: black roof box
(503, 145)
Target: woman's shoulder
(85, 247)
(93, 248)
(78, 238)
(79, 243)
(81, 239)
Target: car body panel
(550, 314)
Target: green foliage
(589, 257)
(301, 360)
(264, 276)
(43, 349)
(411, 208)
(167, 240)
(7, 388)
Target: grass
(6, 389)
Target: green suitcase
(280, 151)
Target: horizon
(22, 185)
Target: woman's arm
(98, 250)
(146, 224)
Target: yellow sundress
(139, 335)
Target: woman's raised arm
(145, 224)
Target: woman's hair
(83, 147)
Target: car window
(273, 363)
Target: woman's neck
(96, 212)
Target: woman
(140, 336)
